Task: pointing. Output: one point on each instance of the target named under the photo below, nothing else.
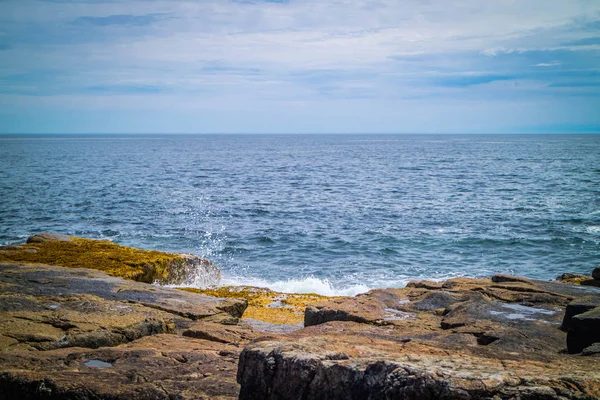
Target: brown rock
(141, 265)
(70, 333)
(466, 338)
(379, 307)
(234, 334)
(574, 279)
(154, 367)
(345, 360)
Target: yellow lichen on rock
(126, 262)
(267, 305)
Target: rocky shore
(80, 320)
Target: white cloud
(550, 64)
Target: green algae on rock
(140, 265)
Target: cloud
(131, 20)
(549, 64)
(311, 57)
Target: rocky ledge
(499, 338)
(140, 265)
(87, 333)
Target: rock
(499, 278)
(46, 307)
(141, 265)
(424, 285)
(48, 237)
(593, 350)
(218, 333)
(579, 306)
(380, 307)
(267, 306)
(74, 333)
(584, 331)
(435, 301)
(154, 367)
(464, 338)
(376, 365)
(573, 279)
(596, 273)
(85, 334)
(591, 282)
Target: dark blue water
(333, 214)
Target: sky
(299, 66)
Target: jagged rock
(584, 331)
(495, 338)
(377, 365)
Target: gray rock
(48, 237)
(591, 350)
(596, 273)
(434, 301)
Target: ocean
(332, 214)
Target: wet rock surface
(497, 338)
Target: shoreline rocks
(496, 338)
(77, 333)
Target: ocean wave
(309, 284)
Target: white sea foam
(305, 285)
(593, 229)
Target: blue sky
(297, 66)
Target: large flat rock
(45, 280)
